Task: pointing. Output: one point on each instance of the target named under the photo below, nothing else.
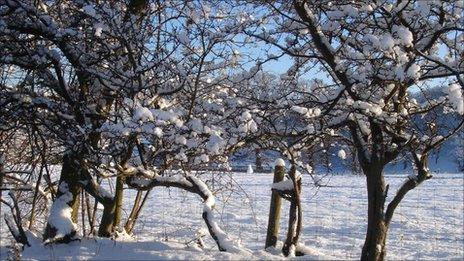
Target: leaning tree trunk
(112, 212)
(377, 227)
(274, 211)
(132, 216)
(61, 224)
(295, 217)
(105, 229)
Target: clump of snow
(413, 71)
(180, 140)
(98, 29)
(299, 109)
(456, 98)
(246, 116)
(61, 213)
(341, 154)
(142, 114)
(292, 251)
(204, 158)
(307, 112)
(123, 236)
(248, 126)
(350, 10)
(386, 42)
(368, 107)
(373, 40)
(252, 126)
(280, 162)
(308, 252)
(214, 144)
(243, 128)
(196, 125)
(158, 132)
(403, 35)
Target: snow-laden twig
(194, 185)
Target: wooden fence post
(276, 203)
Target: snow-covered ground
(427, 225)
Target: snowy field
(427, 225)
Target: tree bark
(292, 221)
(295, 215)
(105, 229)
(131, 219)
(274, 211)
(118, 197)
(138, 211)
(112, 212)
(377, 227)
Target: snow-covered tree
(120, 87)
(374, 55)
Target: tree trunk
(112, 212)
(138, 211)
(274, 211)
(130, 220)
(295, 216)
(118, 202)
(67, 197)
(377, 227)
(105, 229)
(292, 221)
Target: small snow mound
(341, 154)
(311, 253)
(123, 236)
(280, 162)
(250, 169)
(60, 216)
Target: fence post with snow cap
(276, 203)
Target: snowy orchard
(132, 91)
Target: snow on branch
(194, 185)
